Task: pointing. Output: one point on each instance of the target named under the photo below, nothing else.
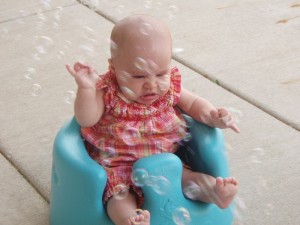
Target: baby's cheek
(164, 85)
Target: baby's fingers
(234, 127)
(230, 123)
(81, 65)
(70, 70)
(214, 114)
(223, 112)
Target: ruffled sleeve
(103, 81)
(175, 87)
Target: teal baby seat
(78, 182)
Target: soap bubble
(36, 89)
(239, 207)
(192, 191)
(268, 209)
(113, 48)
(130, 135)
(57, 13)
(23, 14)
(108, 152)
(127, 91)
(148, 4)
(92, 4)
(146, 28)
(57, 17)
(181, 216)
(177, 50)
(41, 20)
(89, 34)
(88, 50)
(160, 184)
(120, 191)
(139, 177)
(46, 4)
(140, 63)
(188, 137)
(256, 155)
(120, 8)
(67, 44)
(30, 73)
(60, 54)
(164, 81)
(5, 33)
(237, 114)
(164, 85)
(69, 97)
(172, 11)
(42, 45)
(124, 76)
(158, 5)
(105, 162)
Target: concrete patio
(241, 54)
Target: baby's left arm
(203, 111)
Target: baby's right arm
(89, 105)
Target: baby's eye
(161, 75)
(138, 77)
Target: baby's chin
(145, 102)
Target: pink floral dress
(128, 131)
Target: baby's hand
(222, 118)
(84, 74)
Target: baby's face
(142, 61)
(144, 80)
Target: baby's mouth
(149, 97)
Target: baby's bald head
(140, 36)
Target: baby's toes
(146, 215)
(235, 181)
(219, 182)
(228, 180)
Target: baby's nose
(150, 82)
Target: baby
(134, 110)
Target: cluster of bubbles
(160, 184)
(42, 44)
(30, 74)
(46, 47)
(171, 10)
(88, 46)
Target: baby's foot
(140, 217)
(225, 191)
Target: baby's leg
(203, 187)
(123, 211)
